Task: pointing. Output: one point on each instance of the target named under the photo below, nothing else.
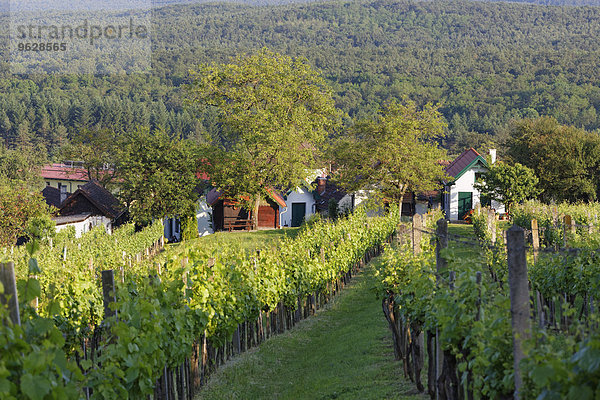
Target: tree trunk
(255, 211)
(400, 200)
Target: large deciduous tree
(565, 159)
(393, 153)
(21, 203)
(99, 151)
(274, 114)
(19, 207)
(157, 176)
(508, 183)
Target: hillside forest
(485, 64)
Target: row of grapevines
(473, 324)
(549, 219)
(70, 274)
(204, 291)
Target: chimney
(493, 155)
(321, 183)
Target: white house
(300, 206)
(460, 196)
(89, 206)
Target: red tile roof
(277, 198)
(202, 175)
(461, 162)
(62, 172)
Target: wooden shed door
(267, 217)
(465, 203)
(298, 213)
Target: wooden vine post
(568, 228)
(491, 224)
(10, 297)
(535, 238)
(519, 298)
(108, 292)
(441, 242)
(417, 226)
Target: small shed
(93, 200)
(228, 214)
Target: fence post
(535, 238)
(478, 281)
(441, 242)
(10, 297)
(417, 225)
(568, 227)
(519, 298)
(491, 224)
(108, 292)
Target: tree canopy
(99, 149)
(19, 208)
(485, 63)
(508, 184)
(157, 176)
(565, 159)
(396, 152)
(274, 114)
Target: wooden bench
(238, 223)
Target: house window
(47, 183)
(479, 176)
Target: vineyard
(502, 314)
(100, 318)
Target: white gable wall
(204, 216)
(463, 184)
(300, 195)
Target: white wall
(345, 204)
(203, 216)
(87, 224)
(463, 184)
(300, 195)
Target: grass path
(344, 352)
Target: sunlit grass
(249, 241)
(461, 249)
(343, 352)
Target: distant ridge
(84, 5)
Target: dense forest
(485, 63)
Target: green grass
(344, 352)
(250, 241)
(463, 250)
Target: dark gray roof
(98, 196)
(332, 191)
(52, 196)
